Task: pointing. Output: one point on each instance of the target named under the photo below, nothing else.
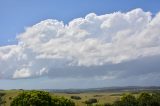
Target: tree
(144, 99)
(91, 101)
(155, 99)
(1, 100)
(76, 97)
(39, 98)
(107, 104)
(117, 103)
(61, 101)
(129, 100)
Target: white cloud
(93, 41)
(23, 73)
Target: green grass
(102, 97)
(9, 95)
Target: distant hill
(107, 89)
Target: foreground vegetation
(41, 98)
(144, 99)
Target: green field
(102, 97)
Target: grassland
(102, 97)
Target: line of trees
(144, 99)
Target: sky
(63, 44)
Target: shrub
(129, 100)
(117, 103)
(107, 104)
(155, 99)
(61, 101)
(1, 100)
(144, 99)
(10, 98)
(75, 97)
(2, 94)
(39, 98)
(91, 101)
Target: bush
(129, 100)
(91, 101)
(117, 103)
(144, 99)
(2, 94)
(155, 99)
(39, 98)
(107, 104)
(61, 101)
(75, 97)
(1, 100)
(101, 104)
(10, 98)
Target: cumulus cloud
(102, 47)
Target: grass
(9, 95)
(102, 97)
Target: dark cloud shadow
(132, 68)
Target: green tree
(61, 101)
(144, 99)
(155, 99)
(117, 103)
(91, 101)
(1, 100)
(39, 98)
(107, 104)
(129, 100)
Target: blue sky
(16, 15)
(117, 65)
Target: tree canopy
(39, 98)
(144, 99)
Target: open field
(102, 97)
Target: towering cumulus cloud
(111, 46)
